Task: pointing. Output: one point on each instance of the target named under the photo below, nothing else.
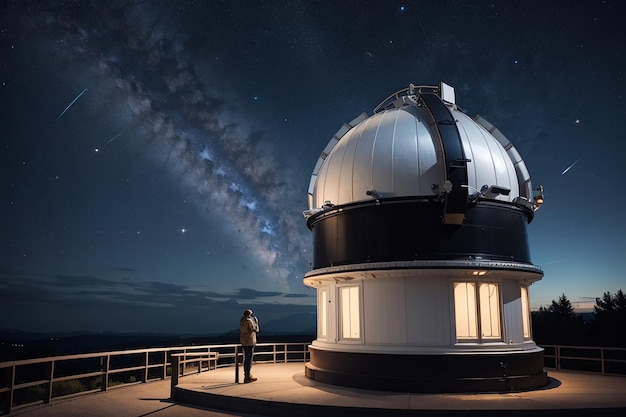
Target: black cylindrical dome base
(445, 373)
(412, 229)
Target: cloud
(125, 269)
(47, 288)
(250, 294)
(300, 295)
(78, 302)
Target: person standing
(248, 328)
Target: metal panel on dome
(312, 195)
(478, 153)
(382, 161)
(345, 181)
(431, 168)
(331, 172)
(490, 162)
(523, 178)
(521, 172)
(406, 179)
(362, 168)
(502, 167)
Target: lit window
(323, 306)
(489, 311)
(350, 322)
(525, 313)
(477, 311)
(465, 310)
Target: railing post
(145, 370)
(48, 398)
(175, 372)
(558, 357)
(11, 385)
(285, 352)
(236, 365)
(602, 359)
(164, 364)
(104, 361)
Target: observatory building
(421, 259)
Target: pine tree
(559, 324)
(562, 309)
(609, 319)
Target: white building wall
(512, 312)
(385, 313)
(407, 311)
(428, 311)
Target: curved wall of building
(502, 371)
(411, 229)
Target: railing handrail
(73, 356)
(583, 347)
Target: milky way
(147, 81)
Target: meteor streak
(73, 101)
(109, 141)
(571, 166)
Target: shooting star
(571, 166)
(73, 101)
(107, 143)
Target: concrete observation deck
(284, 390)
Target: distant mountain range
(16, 344)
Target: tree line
(559, 324)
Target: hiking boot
(249, 379)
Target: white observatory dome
(421, 259)
(398, 152)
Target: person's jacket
(248, 326)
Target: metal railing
(606, 360)
(43, 380)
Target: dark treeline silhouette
(559, 324)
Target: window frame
(352, 310)
(487, 317)
(478, 311)
(527, 332)
(322, 314)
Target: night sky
(155, 155)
